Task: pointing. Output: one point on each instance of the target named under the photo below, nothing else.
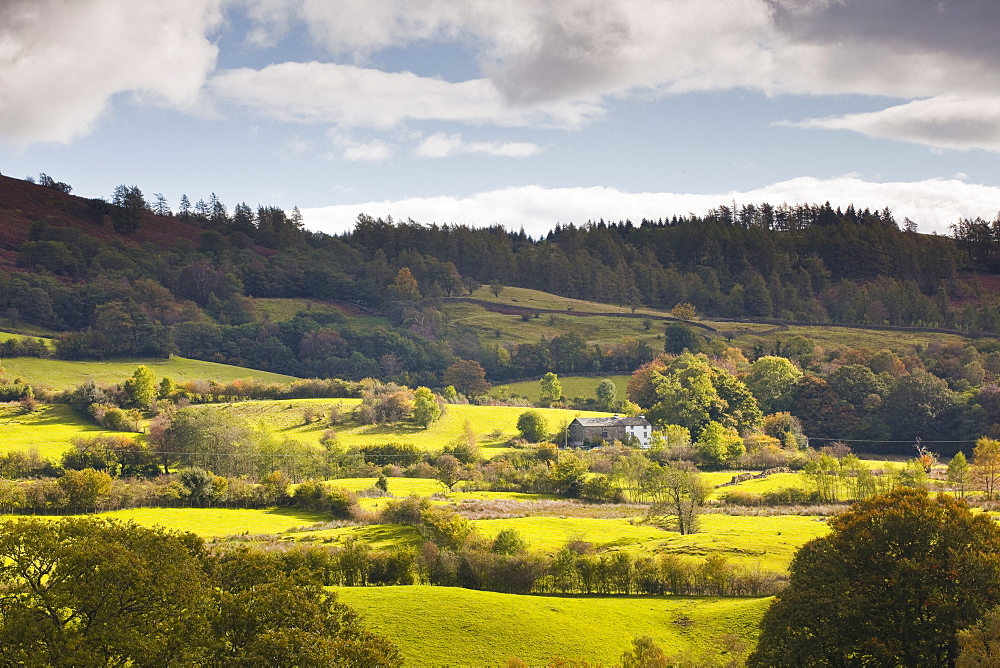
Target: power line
(872, 440)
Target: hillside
(449, 626)
(65, 375)
(23, 204)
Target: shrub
(386, 454)
(533, 426)
(600, 489)
(509, 541)
(405, 511)
(321, 498)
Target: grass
(50, 429)
(493, 425)
(27, 329)
(278, 309)
(511, 329)
(449, 626)
(218, 522)
(767, 542)
(572, 387)
(62, 374)
(5, 336)
(375, 536)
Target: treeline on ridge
(121, 293)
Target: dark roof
(599, 422)
(613, 421)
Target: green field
(62, 374)
(5, 336)
(27, 329)
(511, 329)
(449, 626)
(493, 425)
(50, 429)
(572, 386)
(215, 522)
(279, 309)
(767, 542)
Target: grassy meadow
(5, 336)
(751, 541)
(572, 387)
(512, 329)
(493, 425)
(65, 375)
(50, 430)
(211, 523)
(446, 626)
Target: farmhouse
(594, 430)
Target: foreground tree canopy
(88, 592)
(892, 585)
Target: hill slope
(436, 626)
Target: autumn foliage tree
(891, 585)
(468, 377)
(986, 465)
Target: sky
(524, 113)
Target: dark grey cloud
(575, 51)
(965, 28)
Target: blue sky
(524, 113)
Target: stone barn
(591, 431)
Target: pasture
(493, 425)
(65, 375)
(584, 387)
(6, 336)
(49, 430)
(751, 541)
(449, 626)
(210, 523)
(512, 329)
(767, 542)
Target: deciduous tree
(468, 377)
(986, 465)
(425, 407)
(533, 426)
(141, 387)
(551, 389)
(607, 393)
(891, 585)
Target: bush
(388, 454)
(533, 426)
(405, 511)
(786, 496)
(321, 498)
(600, 489)
(509, 541)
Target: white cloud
(934, 204)
(541, 63)
(372, 151)
(349, 148)
(947, 121)
(441, 145)
(60, 62)
(576, 52)
(351, 96)
(585, 49)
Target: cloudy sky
(520, 112)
